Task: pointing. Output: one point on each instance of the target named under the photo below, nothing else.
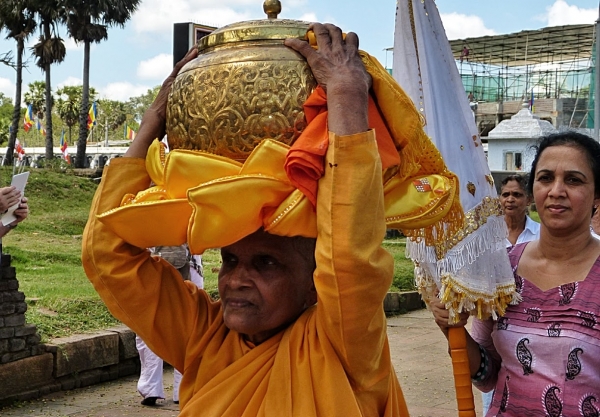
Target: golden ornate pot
(244, 86)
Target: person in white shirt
(515, 201)
(150, 384)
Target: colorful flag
(129, 133)
(19, 149)
(40, 127)
(92, 115)
(28, 119)
(63, 147)
(63, 142)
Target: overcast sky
(139, 56)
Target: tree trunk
(17, 109)
(49, 140)
(80, 160)
(48, 116)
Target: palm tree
(19, 22)
(87, 22)
(68, 103)
(36, 96)
(49, 50)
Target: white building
(509, 143)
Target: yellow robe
(333, 361)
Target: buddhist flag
(19, 149)
(92, 115)
(28, 119)
(129, 133)
(63, 147)
(40, 127)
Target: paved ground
(419, 352)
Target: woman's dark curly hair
(589, 146)
(520, 179)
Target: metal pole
(106, 132)
(597, 80)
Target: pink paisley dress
(545, 351)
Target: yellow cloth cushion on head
(160, 214)
(220, 211)
(223, 201)
(231, 208)
(183, 173)
(146, 225)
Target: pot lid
(256, 30)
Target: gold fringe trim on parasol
(471, 270)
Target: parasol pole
(457, 340)
(474, 265)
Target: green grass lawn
(46, 250)
(534, 215)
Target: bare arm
(338, 68)
(350, 218)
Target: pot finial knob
(272, 8)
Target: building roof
(522, 125)
(550, 44)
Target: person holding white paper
(9, 196)
(6, 200)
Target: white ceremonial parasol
(471, 271)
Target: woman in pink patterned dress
(543, 356)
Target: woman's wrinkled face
(563, 189)
(265, 284)
(514, 200)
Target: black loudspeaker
(186, 35)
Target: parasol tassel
(457, 338)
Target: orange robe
(334, 360)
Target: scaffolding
(550, 63)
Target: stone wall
(29, 369)
(402, 302)
(18, 340)
(71, 362)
